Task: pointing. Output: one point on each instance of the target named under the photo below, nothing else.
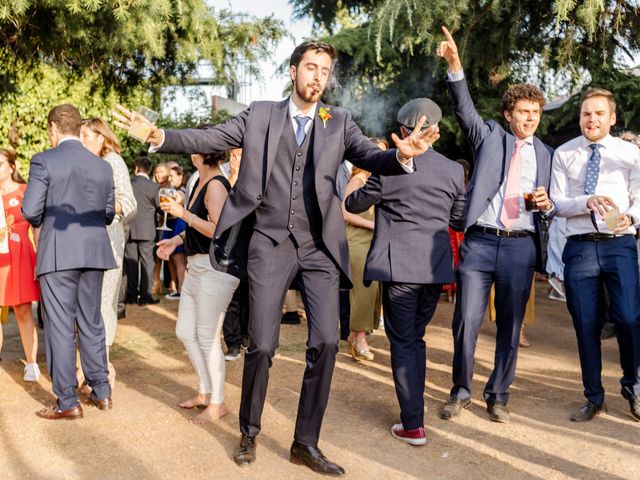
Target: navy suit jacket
(258, 130)
(492, 148)
(70, 195)
(413, 212)
(143, 225)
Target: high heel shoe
(360, 355)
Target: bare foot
(210, 414)
(199, 400)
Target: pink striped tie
(511, 204)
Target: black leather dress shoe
(245, 454)
(453, 406)
(498, 412)
(587, 412)
(634, 403)
(148, 301)
(313, 458)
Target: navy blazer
(258, 130)
(413, 212)
(143, 225)
(492, 148)
(70, 195)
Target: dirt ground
(146, 436)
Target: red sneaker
(414, 436)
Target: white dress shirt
(619, 179)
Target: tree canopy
(95, 53)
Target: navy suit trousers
(509, 263)
(587, 265)
(408, 308)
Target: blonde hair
(111, 143)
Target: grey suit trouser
(271, 269)
(71, 300)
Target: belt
(500, 233)
(592, 237)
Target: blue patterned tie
(300, 133)
(593, 170)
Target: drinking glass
(141, 130)
(530, 204)
(165, 195)
(611, 218)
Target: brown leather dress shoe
(634, 403)
(102, 404)
(453, 406)
(53, 413)
(498, 412)
(245, 454)
(313, 458)
(587, 412)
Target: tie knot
(520, 143)
(595, 147)
(301, 120)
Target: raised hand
(125, 117)
(418, 141)
(448, 50)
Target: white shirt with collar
(618, 179)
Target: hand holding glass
(165, 195)
(140, 128)
(611, 218)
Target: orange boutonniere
(324, 115)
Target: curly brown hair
(521, 91)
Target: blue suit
(411, 255)
(486, 258)
(70, 195)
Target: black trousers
(408, 309)
(236, 320)
(138, 258)
(71, 301)
(271, 268)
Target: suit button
(299, 154)
(290, 226)
(295, 184)
(297, 167)
(259, 197)
(488, 200)
(294, 197)
(292, 212)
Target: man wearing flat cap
(411, 255)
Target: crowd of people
(317, 207)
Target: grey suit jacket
(143, 225)
(70, 195)
(413, 212)
(492, 148)
(257, 131)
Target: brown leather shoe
(245, 454)
(52, 413)
(498, 412)
(102, 404)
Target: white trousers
(204, 299)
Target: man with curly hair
(502, 244)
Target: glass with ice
(139, 129)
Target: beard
(309, 92)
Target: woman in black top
(206, 293)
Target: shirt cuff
(455, 76)
(549, 212)
(409, 168)
(155, 148)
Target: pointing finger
(447, 34)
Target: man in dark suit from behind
(411, 255)
(503, 240)
(70, 198)
(138, 253)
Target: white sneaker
(553, 295)
(556, 284)
(172, 296)
(31, 372)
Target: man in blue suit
(411, 255)
(70, 198)
(502, 244)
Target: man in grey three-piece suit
(70, 198)
(285, 206)
(411, 255)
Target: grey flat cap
(411, 112)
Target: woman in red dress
(18, 288)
